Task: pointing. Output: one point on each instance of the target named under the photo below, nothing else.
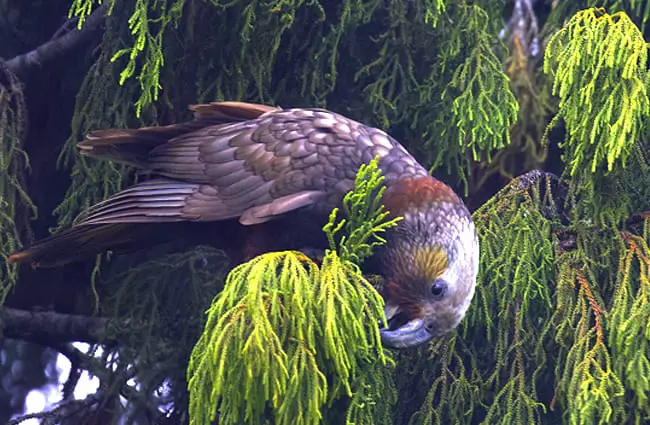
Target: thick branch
(58, 45)
(49, 327)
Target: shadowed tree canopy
(536, 112)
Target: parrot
(268, 177)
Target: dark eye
(438, 288)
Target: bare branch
(68, 26)
(49, 328)
(65, 409)
(58, 45)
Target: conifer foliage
(286, 336)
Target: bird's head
(429, 262)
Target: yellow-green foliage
(83, 8)
(366, 217)
(599, 65)
(587, 384)
(278, 330)
(639, 8)
(433, 10)
(15, 203)
(562, 10)
(629, 319)
(288, 335)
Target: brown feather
(416, 193)
(230, 111)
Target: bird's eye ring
(438, 288)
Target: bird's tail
(132, 146)
(81, 242)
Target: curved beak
(408, 335)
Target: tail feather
(81, 242)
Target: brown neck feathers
(409, 193)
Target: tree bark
(50, 328)
(59, 44)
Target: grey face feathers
(430, 264)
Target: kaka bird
(252, 166)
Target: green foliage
(479, 93)
(516, 268)
(599, 65)
(390, 76)
(470, 90)
(290, 336)
(452, 394)
(147, 45)
(16, 207)
(366, 217)
(151, 45)
(374, 395)
(557, 332)
(245, 48)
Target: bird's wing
(165, 200)
(265, 163)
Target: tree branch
(58, 45)
(48, 328)
(64, 410)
